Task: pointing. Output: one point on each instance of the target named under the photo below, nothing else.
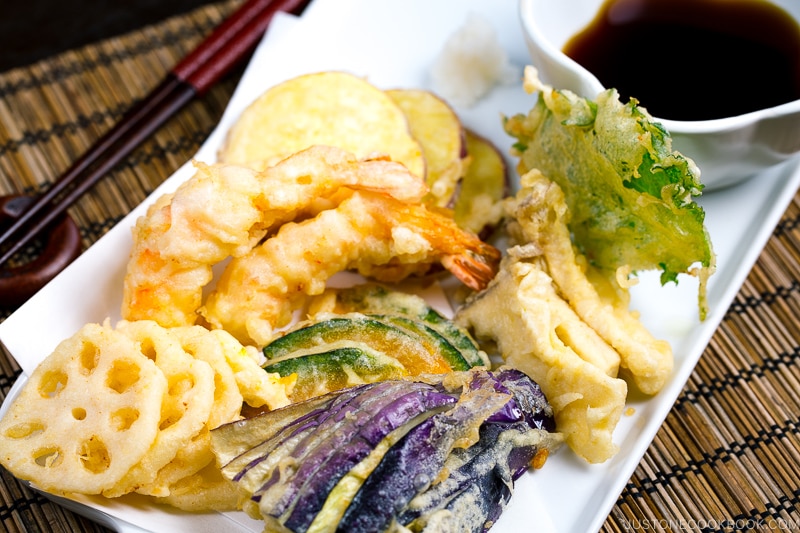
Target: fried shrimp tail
(374, 234)
(225, 211)
(474, 270)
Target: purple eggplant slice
(415, 462)
(439, 451)
(251, 467)
(305, 492)
(480, 480)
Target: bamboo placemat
(50, 112)
(724, 460)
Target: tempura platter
(393, 43)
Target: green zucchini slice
(410, 350)
(322, 372)
(376, 299)
(433, 340)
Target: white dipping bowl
(727, 150)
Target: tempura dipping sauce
(692, 59)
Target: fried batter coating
(541, 214)
(515, 311)
(373, 233)
(225, 211)
(88, 414)
(566, 324)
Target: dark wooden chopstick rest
(193, 76)
(61, 246)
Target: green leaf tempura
(630, 195)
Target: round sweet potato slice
(478, 207)
(326, 108)
(438, 129)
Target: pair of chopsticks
(193, 76)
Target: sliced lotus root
(187, 404)
(206, 490)
(197, 341)
(189, 460)
(89, 412)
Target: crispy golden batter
(373, 233)
(542, 215)
(225, 211)
(567, 326)
(185, 408)
(87, 415)
(516, 312)
(129, 409)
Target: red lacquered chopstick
(193, 76)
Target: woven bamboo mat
(726, 457)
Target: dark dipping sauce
(693, 59)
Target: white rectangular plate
(393, 43)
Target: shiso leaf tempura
(630, 195)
